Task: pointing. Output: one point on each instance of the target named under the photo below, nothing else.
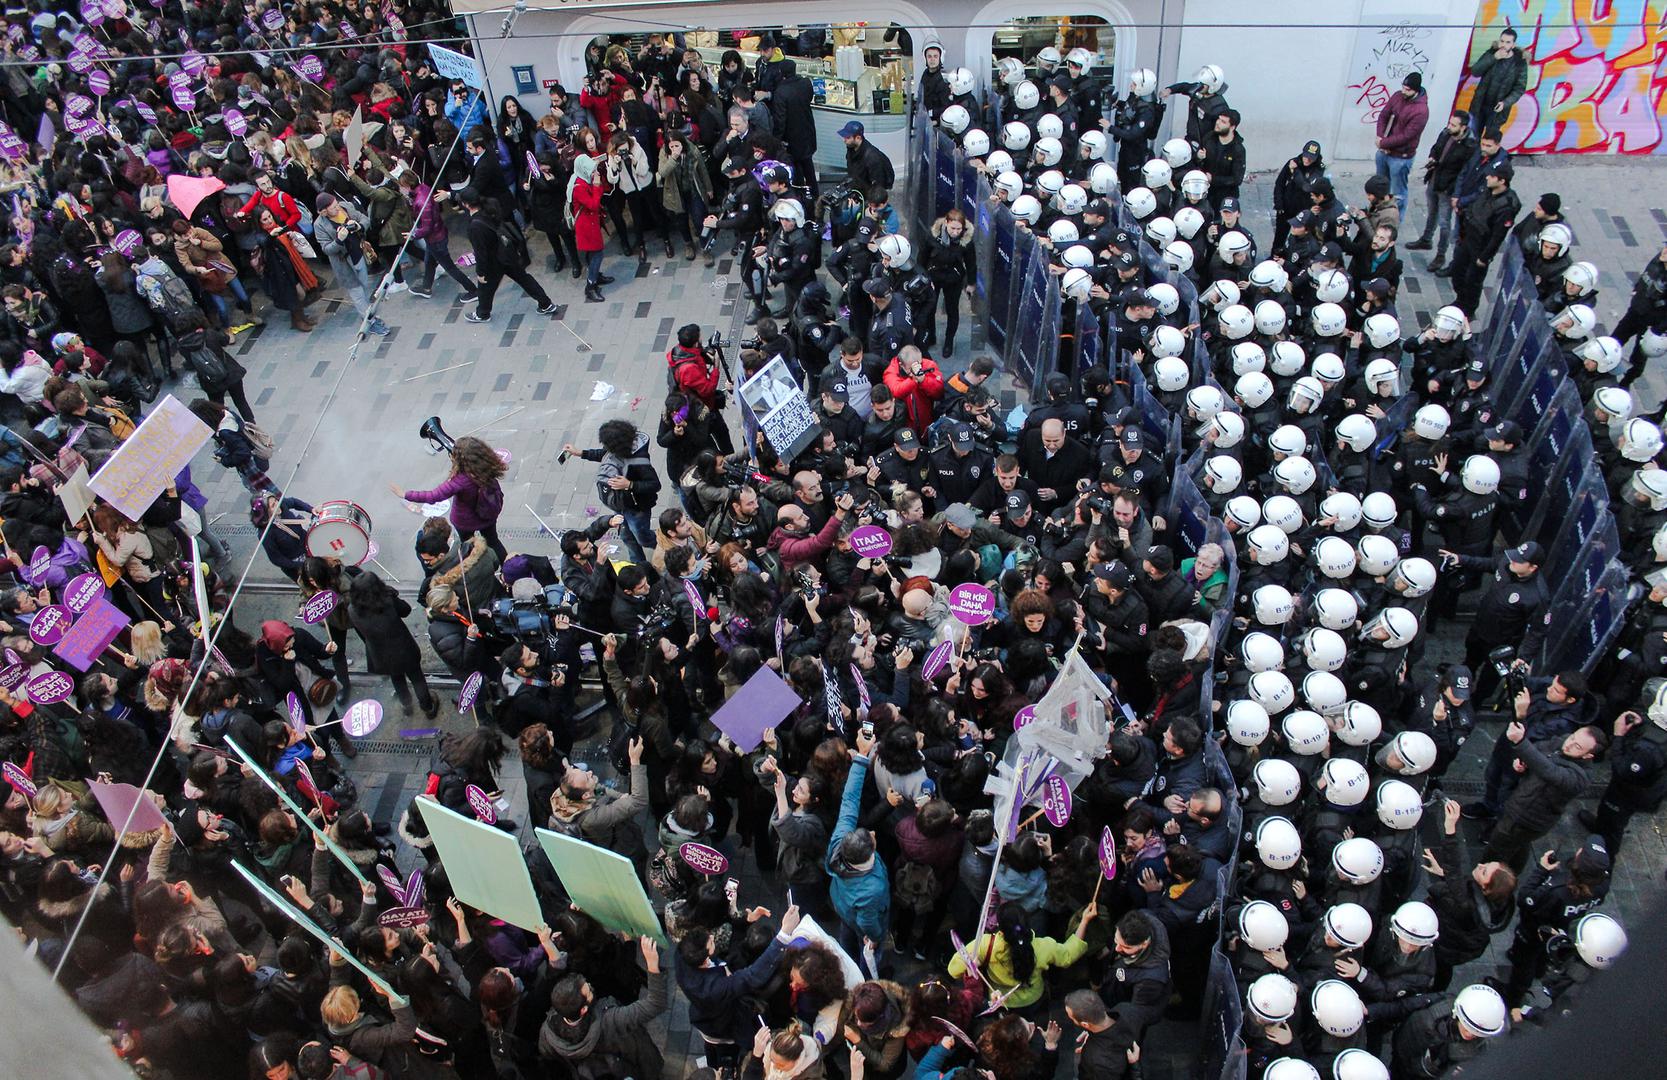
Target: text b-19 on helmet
(976, 143)
(1305, 734)
(1277, 781)
(1381, 330)
(1324, 649)
(1333, 556)
(1270, 316)
(1598, 939)
(1164, 297)
(1278, 845)
(1328, 320)
(1141, 202)
(1236, 322)
(1357, 860)
(1026, 97)
(1283, 512)
(1376, 555)
(1220, 295)
(1050, 126)
(1156, 173)
(1247, 357)
(1063, 232)
(1071, 199)
(1399, 805)
(1295, 474)
(1272, 605)
(1336, 609)
(1015, 136)
(1480, 475)
(1272, 690)
(1336, 1008)
(1176, 153)
(1431, 422)
(1169, 372)
(1261, 652)
(1203, 402)
(1331, 286)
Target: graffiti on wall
(1385, 55)
(1596, 72)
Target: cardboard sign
(467, 697)
(1108, 854)
(319, 605)
(972, 604)
(272, 19)
(481, 804)
(92, 633)
(1056, 800)
(236, 122)
(1024, 716)
(19, 779)
(50, 624)
(83, 592)
(78, 104)
(486, 868)
(780, 408)
(403, 918)
(40, 561)
(762, 703)
(193, 62)
(75, 493)
(362, 718)
(127, 242)
(602, 883)
(353, 138)
(297, 714)
(127, 807)
(454, 65)
(936, 659)
(310, 67)
(870, 541)
(702, 859)
(12, 676)
(147, 462)
(183, 97)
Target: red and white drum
(340, 530)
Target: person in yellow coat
(1015, 960)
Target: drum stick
(489, 423)
(563, 324)
(384, 569)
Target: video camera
(528, 614)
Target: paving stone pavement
(526, 384)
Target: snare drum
(340, 530)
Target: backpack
(619, 746)
(916, 886)
(512, 247)
(210, 366)
(166, 295)
(259, 440)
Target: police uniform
(1637, 781)
(1512, 611)
(959, 467)
(1548, 903)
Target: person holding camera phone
(1502, 74)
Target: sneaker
(398, 287)
(548, 309)
(466, 298)
(379, 328)
(421, 293)
(1477, 811)
(475, 316)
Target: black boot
(593, 294)
(558, 262)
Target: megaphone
(434, 433)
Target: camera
(529, 618)
(656, 621)
(738, 471)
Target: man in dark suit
(486, 176)
(794, 123)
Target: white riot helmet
(955, 119)
(1028, 209)
(1323, 691)
(1077, 284)
(1095, 143)
(1331, 286)
(1323, 649)
(1047, 58)
(1243, 511)
(1195, 183)
(1558, 236)
(1328, 319)
(1169, 346)
(895, 250)
(1232, 244)
(1203, 402)
(1144, 81)
(1639, 440)
(1156, 173)
(1358, 1064)
(1357, 860)
(1350, 925)
(1015, 137)
(1160, 231)
(1286, 358)
(1272, 605)
(1072, 200)
(1228, 428)
(1336, 609)
(1400, 624)
(1306, 395)
(1290, 1068)
(1357, 432)
(1278, 783)
(789, 210)
(1480, 474)
(1602, 353)
(1011, 71)
(1261, 652)
(1262, 927)
(1333, 555)
(1081, 58)
(1282, 511)
(1236, 322)
(1415, 923)
(1141, 202)
(1270, 317)
(1652, 343)
(1220, 295)
(1582, 275)
(1164, 297)
(1187, 222)
(1272, 690)
(975, 143)
(1337, 1008)
(1413, 576)
(1026, 97)
(1269, 275)
(1478, 1008)
(1431, 422)
(1278, 845)
(1078, 256)
(1295, 474)
(1575, 322)
(1247, 357)
(1415, 750)
(961, 81)
(1448, 322)
(1358, 724)
(1247, 722)
(1651, 483)
(1288, 439)
(1052, 181)
(1170, 372)
(1305, 733)
(1376, 555)
(1063, 232)
(1210, 77)
(1381, 330)
(1102, 178)
(1272, 998)
(1383, 377)
(1178, 256)
(1327, 367)
(1050, 126)
(1222, 474)
(1267, 545)
(1399, 805)
(1598, 938)
(1378, 509)
(1176, 153)
(1009, 185)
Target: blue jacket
(715, 993)
(1470, 185)
(470, 112)
(862, 898)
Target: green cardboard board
(300, 814)
(484, 865)
(602, 883)
(296, 915)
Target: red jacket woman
(586, 191)
(916, 383)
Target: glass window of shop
(852, 68)
(1024, 38)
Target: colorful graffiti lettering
(1596, 70)
(1374, 94)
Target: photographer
(743, 520)
(693, 369)
(793, 541)
(534, 687)
(1545, 709)
(1128, 534)
(585, 574)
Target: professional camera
(1513, 678)
(656, 621)
(528, 613)
(738, 471)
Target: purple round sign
(80, 62)
(297, 715)
(146, 113)
(99, 82)
(1108, 854)
(702, 859)
(193, 62)
(972, 604)
(179, 78)
(127, 242)
(78, 104)
(183, 97)
(236, 122)
(481, 805)
(362, 718)
(1024, 716)
(115, 9)
(870, 541)
(83, 592)
(272, 19)
(471, 691)
(40, 561)
(12, 677)
(92, 12)
(1056, 800)
(310, 67)
(936, 659)
(49, 687)
(319, 606)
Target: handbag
(322, 692)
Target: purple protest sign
(870, 541)
(470, 692)
(470, 257)
(92, 633)
(12, 676)
(402, 918)
(49, 687)
(50, 624)
(179, 78)
(693, 593)
(92, 13)
(146, 113)
(183, 97)
(127, 242)
(781, 632)
(297, 715)
(1024, 716)
(362, 718)
(14, 32)
(80, 62)
(702, 859)
(1108, 854)
(272, 19)
(13, 658)
(319, 605)
(83, 592)
(532, 164)
(11, 145)
(19, 779)
(115, 9)
(40, 561)
(972, 604)
(862, 684)
(98, 81)
(78, 104)
(481, 805)
(310, 67)
(763, 702)
(29, 53)
(390, 878)
(236, 122)
(936, 659)
(1056, 800)
(193, 62)
(413, 893)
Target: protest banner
(143, 466)
(484, 866)
(604, 884)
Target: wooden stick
(489, 423)
(1025, 824)
(437, 371)
(1096, 897)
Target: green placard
(602, 883)
(484, 865)
(300, 814)
(299, 917)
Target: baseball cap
(852, 127)
(1530, 552)
(1378, 286)
(1506, 431)
(1160, 557)
(1124, 416)
(1133, 296)
(960, 515)
(1229, 205)
(1594, 853)
(1124, 260)
(877, 287)
(1458, 680)
(1099, 207)
(834, 387)
(1061, 82)
(1311, 148)
(960, 434)
(1332, 252)
(1501, 169)
(1018, 502)
(906, 439)
(1119, 575)
(1476, 369)
(1132, 437)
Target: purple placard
(146, 113)
(86, 43)
(92, 13)
(50, 624)
(236, 122)
(297, 715)
(936, 659)
(19, 779)
(80, 62)
(702, 859)
(481, 805)
(29, 53)
(92, 633)
(414, 889)
(693, 593)
(1108, 854)
(127, 242)
(781, 632)
(14, 32)
(402, 918)
(49, 687)
(183, 97)
(193, 62)
(390, 878)
(870, 541)
(972, 604)
(179, 78)
(362, 718)
(83, 592)
(319, 605)
(115, 9)
(272, 19)
(1024, 716)
(1056, 800)
(98, 81)
(470, 692)
(310, 67)
(862, 684)
(122, 801)
(78, 104)
(11, 145)
(12, 676)
(762, 703)
(532, 164)
(40, 561)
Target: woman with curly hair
(477, 497)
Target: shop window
(1025, 37)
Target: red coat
(587, 215)
(916, 395)
(694, 375)
(282, 206)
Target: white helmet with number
(1376, 555)
(1582, 275)
(1289, 440)
(1015, 136)
(1203, 402)
(1078, 256)
(1286, 358)
(1178, 256)
(975, 143)
(1357, 432)
(1337, 1008)
(1269, 275)
(1278, 844)
(1415, 751)
(1187, 222)
(1333, 555)
(1413, 577)
(1558, 236)
(1295, 474)
(1222, 474)
(1220, 295)
(1358, 1064)
(1170, 372)
(1328, 368)
(1095, 143)
(961, 81)
(1028, 209)
(1399, 624)
(1195, 183)
(1077, 284)
(1141, 202)
(1270, 317)
(1160, 231)
(1290, 1068)
(1478, 1007)
(1399, 805)
(1168, 343)
(1236, 322)
(1009, 185)
(1415, 923)
(1305, 732)
(1448, 322)
(1575, 322)
(1348, 924)
(1011, 71)
(1243, 511)
(1598, 938)
(1026, 97)
(1639, 440)
(1050, 126)
(1144, 81)
(1156, 173)
(1272, 605)
(1272, 998)
(1651, 483)
(1357, 860)
(1383, 377)
(1262, 927)
(1081, 58)
(1063, 232)
(1164, 297)
(1336, 609)
(1283, 512)
(1431, 422)
(1177, 152)
(1228, 428)
(1328, 319)
(1358, 724)
(1323, 691)
(1232, 244)
(1211, 78)
(1272, 690)
(1602, 354)
(1323, 649)
(1331, 286)
(1047, 58)
(1102, 178)
(1278, 783)
(1381, 330)
(789, 210)
(1247, 722)
(955, 119)
(1378, 509)
(1246, 357)
(1480, 474)
(1261, 652)
(1052, 181)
